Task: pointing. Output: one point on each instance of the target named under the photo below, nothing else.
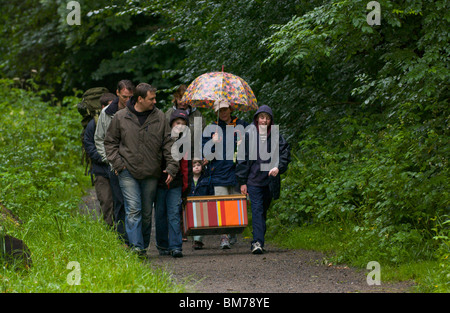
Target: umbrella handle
(217, 120)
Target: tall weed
(41, 182)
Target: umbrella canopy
(206, 89)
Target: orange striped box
(209, 215)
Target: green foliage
(109, 45)
(41, 182)
(373, 140)
(389, 179)
(365, 108)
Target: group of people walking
(130, 145)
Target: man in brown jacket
(136, 141)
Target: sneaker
(140, 252)
(233, 239)
(198, 245)
(163, 252)
(177, 253)
(256, 248)
(224, 243)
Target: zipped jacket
(140, 148)
(251, 169)
(223, 171)
(103, 122)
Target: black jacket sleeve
(243, 166)
(89, 143)
(285, 155)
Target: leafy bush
(41, 182)
(388, 179)
(373, 129)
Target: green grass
(332, 239)
(42, 183)
(104, 264)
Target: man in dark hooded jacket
(99, 168)
(259, 173)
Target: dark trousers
(119, 208)
(104, 196)
(260, 198)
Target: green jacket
(140, 148)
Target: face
(181, 105)
(196, 168)
(225, 114)
(178, 126)
(124, 95)
(264, 121)
(148, 103)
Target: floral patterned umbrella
(206, 89)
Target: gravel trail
(278, 270)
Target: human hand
(117, 173)
(274, 172)
(216, 138)
(169, 178)
(244, 190)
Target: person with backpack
(125, 90)
(99, 168)
(89, 108)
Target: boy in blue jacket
(259, 177)
(200, 186)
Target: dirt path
(278, 270)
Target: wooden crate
(210, 215)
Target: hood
(263, 109)
(112, 108)
(130, 104)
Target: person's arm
(112, 143)
(285, 155)
(89, 144)
(99, 136)
(172, 166)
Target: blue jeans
(119, 209)
(260, 198)
(138, 195)
(168, 219)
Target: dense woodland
(364, 108)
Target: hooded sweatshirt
(256, 177)
(249, 171)
(183, 175)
